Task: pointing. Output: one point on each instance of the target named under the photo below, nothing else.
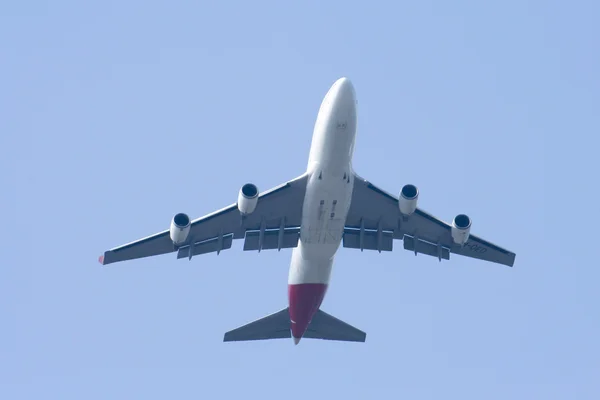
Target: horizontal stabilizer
(327, 327)
(274, 326)
(278, 326)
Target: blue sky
(117, 115)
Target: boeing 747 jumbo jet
(313, 214)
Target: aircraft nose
(345, 90)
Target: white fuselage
(329, 187)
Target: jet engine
(180, 228)
(408, 199)
(247, 199)
(460, 229)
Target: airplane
(313, 214)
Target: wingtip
(101, 259)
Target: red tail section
(304, 300)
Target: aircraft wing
(378, 213)
(274, 224)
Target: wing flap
(423, 247)
(368, 240)
(207, 246)
(272, 239)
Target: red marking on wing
(101, 260)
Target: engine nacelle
(247, 199)
(408, 199)
(180, 228)
(461, 226)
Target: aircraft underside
(326, 208)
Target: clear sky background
(115, 115)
